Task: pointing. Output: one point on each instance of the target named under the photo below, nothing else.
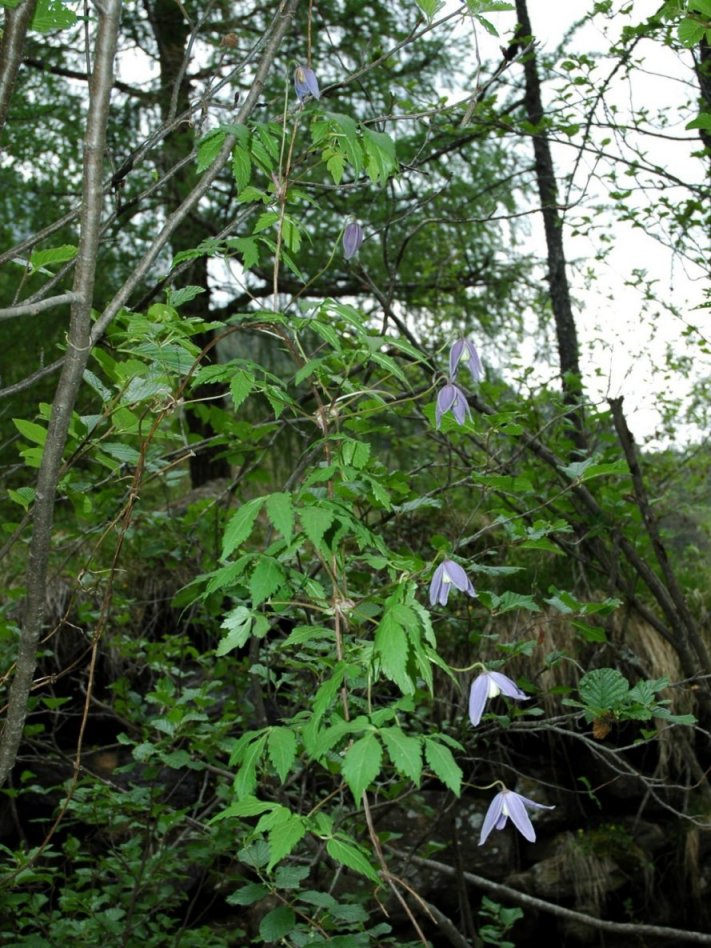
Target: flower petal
(455, 354)
(519, 816)
(508, 687)
(478, 697)
(492, 818)
(439, 589)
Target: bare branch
(17, 23)
(31, 309)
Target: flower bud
(352, 239)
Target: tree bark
(565, 328)
(78, 348)
(17, 22)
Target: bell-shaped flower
(490, 684)
(352, 239)
(510, 804)
(451, 398)
(306, 83)
(446, 575)
(464, 350)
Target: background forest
(340, 603)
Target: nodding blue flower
(509, 804)
(466, 350)
(352, 239)
(451, 398)
(306, 83)
(490, 684)
(446, 575)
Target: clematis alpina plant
(352, 239)
(507, 804)
(306, 83)
(446, 575)
(451, 398)
(490, 684)
(464, 350)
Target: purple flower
(509, 804)
(465, 349)
(305, 83)
(352, 239)
(446, 575)
(451, 398)
(490, 684)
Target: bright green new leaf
(241, 167)
(603, 689)
(43, 258)
(315, 521)
(361, 765)
(241, 385)
(31, 430)
(52, 15)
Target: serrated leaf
(603, 689)
(392, 649)
(347, 132)
(405, 752)
(442, 762)
(277, 923)
(281, 747)
(241, 167)
(248, 249)
(315, 521)
(246, 779)
(280, 511)
(283, 837)
(348, 854)
(209, 148)
(176, 298)
(241, 385)
(267, 577)
(381, 161)
(42, 258)
(240, 525)
(265, 221)
(248, 894)
(238, 623)
(249, 806)
(361, 765)
(52, 15)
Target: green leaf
(381, 160)
(31, 430)
(361, 765)
(347, 132)
(405, 752)
(281, 747)
(240, 525)
(241, 167)
(22, 496)
(241, 385)
(430, 7)
(352, 856)
(703, 120)
(277, 923)
(176, 298)
(265, 221)
(249, 806)
(209, 148)
(280, 511)
(603, 689)
(283, 837)
(444, 765)
(238, 624)
(52, 15)
(392, 649)
(267, 577)
(315, 521)
(248, 248)
(42, 258)
(248, 894)
(246, 779)
(690, 32)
